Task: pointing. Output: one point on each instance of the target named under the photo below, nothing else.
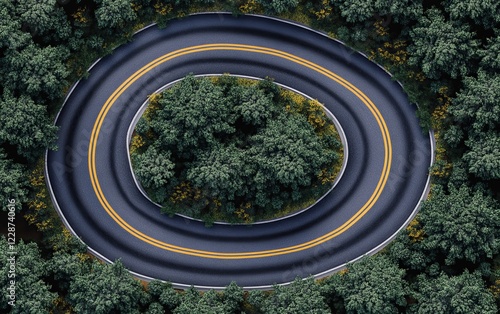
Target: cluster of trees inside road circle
(446, 54)
(233, 149)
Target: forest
(445, 53)
(228, 163)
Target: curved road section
(385, 178)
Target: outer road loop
(238, 255)
(93, 189)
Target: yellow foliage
(44, 225)
(217, 203)
(246, 82)
(380, 29)
(393, 52)
(316, 115)
(136, 7)
(443, 166)
(152, 107)
(154, 99)
(83, 256)
(61, 306)
(80, 15)
(324, 11)
(242, 214)
(495, 289)
(136, 143)
(343, 271)
(419, 76)
(250, 6)
(185, 192)
(327, 175)
(163, 8)
(415, 232)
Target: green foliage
(301, 296)
(106, 288)
(475, 114)
(114, 13)
(459, 294)
(154, 168)
(355, 11)
(279, 6)
(373, 285)
(64, 267)
(404, 12)
(44, 19)
(442, 48)
(211, 302)
(165, 294)
(12, 176)
(410, 253)
(482, 12)
(490, 55)
(36, 71)
(461, 224)
(25, 124)
(233, 150)
(483, 158)
(11, 36)
(33, 295)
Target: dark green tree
(191, 114)
(39, 72)
(114, 13)
(13, 178)
(64, 267)
(482, 12)
(107, 288)
(155, 308)
(410, 253)
(164, 294)
(195, 302)
(490, 55)
(229, 301)
(373, 285)
(358, 12)
(442, 48)
(32, 293)
(404, 12)
(154, 167)
(11, 36)
(483, 158)
(465, 294)
(461, 224)
(279, 6)
(301, 296)
(475, 115)
(44, 19)
(25, 124)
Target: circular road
(92, 185)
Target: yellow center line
(239, 255)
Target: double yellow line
(238, 255)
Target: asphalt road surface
(385, 178)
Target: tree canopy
(106, 288)
(461, 224)
(442, 47)
(373, 285)
(214, 144)
(458, 294)
(301, 296)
